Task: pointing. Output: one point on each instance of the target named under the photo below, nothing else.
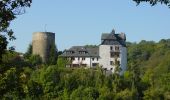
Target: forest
(147, 77)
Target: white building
(112, 50)
(82, 56)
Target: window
(94, 64)
(72, 58)
(111, 62)
(83, 65)
(117, 54)
(79, 52)
(114, 54)
(111, 68)
(82, 52)
(92, 59)
(111, 54)
(78, 58)
(69, 52)
(97, 59)
(118, 63)
(83, 58)
(116, 47)
(75, 65)
(111, 48)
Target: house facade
(110, 53)
(82, 56)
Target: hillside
(147, 77)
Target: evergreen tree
(53, 55)
(28, 52)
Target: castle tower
(113, 52)
(42, 43)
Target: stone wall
(42, 42)
(104, 61)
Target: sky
(81, 22)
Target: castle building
(113, 52)
(110, 53)
(83, 56)
(42, 42)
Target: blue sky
(81, 22)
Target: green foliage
(52, 56)
(147, 77)
(77, 94)
(81, 93)
(35, 60)
(28, 53)
(154, 2)
(62, 62)
(3, 45)
(105, 93)
(150, 70)
(126, 95)
(12, 59)
(9, 10)
(34, 89)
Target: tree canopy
(9, 9)
(154, 2)
(147, 77)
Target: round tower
(42, 43)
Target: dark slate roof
(111, 36)
(81, 51)
(113, 39)
(113, 42)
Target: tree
(61, 62)
(9, 9)
(125, 95)
(53, 55)
(106, 94)
(35, 60)
(28, 52)
(117, 75)
(91, 93)
(154, 2)
(35, 89)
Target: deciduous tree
(154, 2)
(9, 9)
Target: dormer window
(69, 52)
(82, 52)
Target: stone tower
(41, 44)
